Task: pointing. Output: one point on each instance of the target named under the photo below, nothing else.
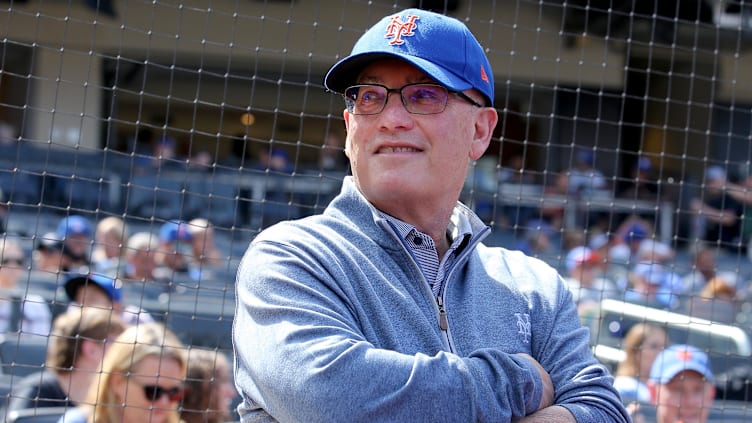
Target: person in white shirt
(19, 311)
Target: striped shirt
(424, 249)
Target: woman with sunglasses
(141, 380)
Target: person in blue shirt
(388, 306)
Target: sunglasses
(154, 393)
(12, 260)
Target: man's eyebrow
(374, 80)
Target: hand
(547, 399)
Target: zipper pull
(443, 322)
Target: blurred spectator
(682, 385)
(719, 213)
(627, 240)
(537, 239)
(513, 171)
(645, 281)
(332, 155)
(573, 238)
(209, 388)
(205, 251)
(585, 279)
(672, 286)
(202, 161)
(642, 343)
(704, 265)
(19, 310)
(556, 193)
(76, 233)
(742, 192)
(141, 379)
(48, 257)
(174, 253)
(110, 238)
(276, 160)
(642, 184)
(717, 302)
(77, 343)
(139, 258)
(100, 291)
(584, 178)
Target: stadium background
(81, 81)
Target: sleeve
(37, 316)
(300, 356)
(582, 384)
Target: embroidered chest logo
(398, 29)
(523, 326)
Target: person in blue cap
(682, 385)
(102, 291)
(76, 232)
(388, 306)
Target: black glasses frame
(350, 99)
(17, 261)
(154, 392)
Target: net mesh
(619, 122)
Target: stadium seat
(22, 354)
(37, 415)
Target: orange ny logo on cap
(398, 29)
(684, 355)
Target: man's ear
(485, 123)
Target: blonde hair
(76, 325)
(126, 352)
(114, 226)
(633, 345)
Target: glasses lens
(13, 261)
(155, 392)
(424, 99)
(365, 99)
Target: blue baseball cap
(174, 231)
(678, 358)
(111, 286)
(73, 225)
(440, 46)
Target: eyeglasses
(13, 260)
(418, 99)
(154, 393)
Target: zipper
(443, 323)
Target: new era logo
(398, 29)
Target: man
(585, 278)
(681, 385)
(100, 291)
(173, 256)
(387, 307)
(76, 233)
(76, 347)
(719, 212)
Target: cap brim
(74, 284)
(345, 73)
(673, 371)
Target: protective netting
(623, 140)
